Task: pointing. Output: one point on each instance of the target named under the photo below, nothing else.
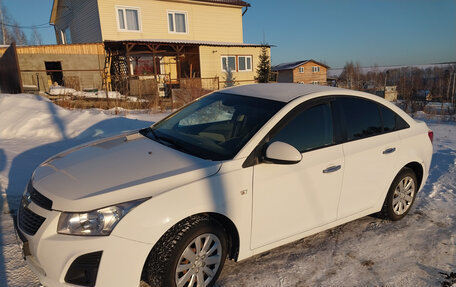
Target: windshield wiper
(171, 142)
(184, 148)
(145, 132)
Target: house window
(237, 63)
(245, 63)
(229, 63)
(177, 22)
(315, 69)
(301, 70)
(128, 19)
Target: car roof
(280, 92)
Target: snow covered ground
(419, 250)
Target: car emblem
(26, 200)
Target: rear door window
(362, 117)
(391, 120)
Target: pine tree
(229, 78)
(264, 66)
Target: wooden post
(128, 49)
(170, 92)
(178, 67)
(178, 49)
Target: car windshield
(214, 127)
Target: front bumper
(50, 254)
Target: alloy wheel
(403, 195)
(199, 262)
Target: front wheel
(401, 195)
(191, 254)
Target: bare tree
(351, 76)
(35, 37)
(7, 37)
(10, 29)
(19, 35)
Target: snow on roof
(292, 65)
(279, 92)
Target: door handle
(389, 150)
(332, 169)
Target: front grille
(29, 221)
(38, 198)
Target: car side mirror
(282, 153)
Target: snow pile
(31, 116)
(64, 91)
(61, 91)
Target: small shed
(76, 66)
(303, 72)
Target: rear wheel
(191, 254)
(401, 195)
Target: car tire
(174, 262)
(401, 195)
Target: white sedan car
(233, 174)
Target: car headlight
(96, 222)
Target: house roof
(293, 65)
(227, 2)
(181, 42)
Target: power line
(40, 26)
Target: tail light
(431, 136)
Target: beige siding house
(175, 38)
(303, 72)
(99, 20)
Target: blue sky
(383, 32)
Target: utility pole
(3, 24)
(454, 82)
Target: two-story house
(304, 72)
(178, 38)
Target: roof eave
(240, 4)
(182, 42)
(297, 65)
(54, 12)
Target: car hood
(116, 170)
